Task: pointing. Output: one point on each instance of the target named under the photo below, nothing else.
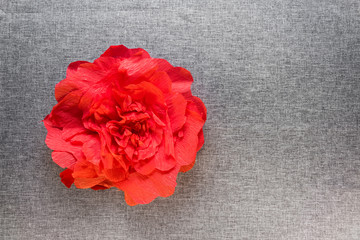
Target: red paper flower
(128, 121)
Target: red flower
(128, 121)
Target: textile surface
(281, 82)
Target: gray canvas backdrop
(281, 82)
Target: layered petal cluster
(127, 121)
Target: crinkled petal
(176, 109)
(100, 187)
(87, 182)
(159, 161)
(140, 189)
(186, 168)
(197, 105)
(162, 161)
(68, 84)
(115, 174)
(186, 146)
(91, 149)
(162, 81)
(147, 92)
(67, 178)
(79, 75)
(55, 142)
(63, 159)
(120, 51)
(162, 64)
(84, 169)
(142, 68)
(201, 140)
(67, 112)
(181, 80)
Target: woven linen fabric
(280, 80)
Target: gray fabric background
(281, 82)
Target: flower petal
(66, 112)
(99, 187)
(198, 106)
(147, 92)
(181, 80)
(162, 64)
(115, 174)
(84, 169)
(120, 51)
(201, 140)
(142, 68)
(55, 142)
(91, 149)
(140, 189)
(68, 85)
(67, 178)
(186, 168)
(162, 81)
(176, 109)
(162, 161)
(187, 145)
(63, 159)
(87, 182)
(159, 161)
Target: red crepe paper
(127, 121)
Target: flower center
(132, 127)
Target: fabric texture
(280, 80)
